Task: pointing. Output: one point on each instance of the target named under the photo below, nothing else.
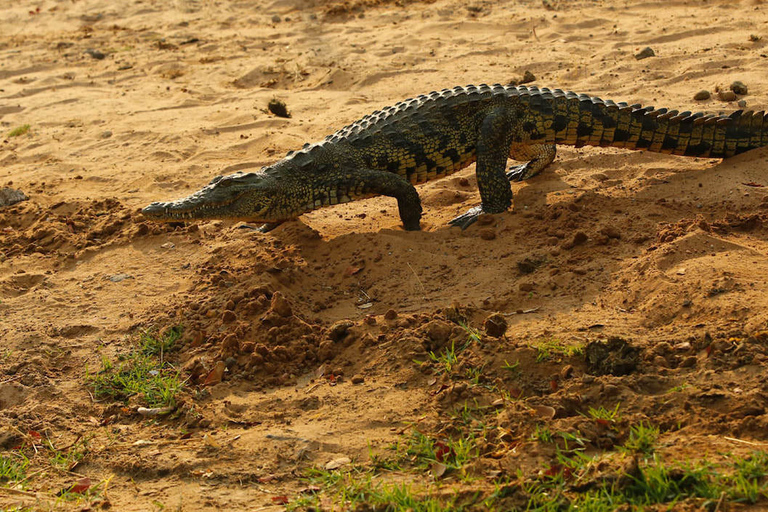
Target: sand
(130, 102)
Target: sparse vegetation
(13, 468)
(551, 349)
(142, 373)
(19, 131)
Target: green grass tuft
(142, 373)
(19, 130)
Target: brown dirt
(664, 252)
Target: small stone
(438, 331)
(105, 135)
(339, 329)
(645, 53)
(357, 379)
(742, 103)
(120, 277)
(10, 196)
(610, 231)
(278, 107)
(276, 18)
(96, 54)
(168, 245)
(566, 371)
(390, 315)
(228, 317)
(688, 362)
(526, 287)
(727, 95)
(230, 305)
(487, 234)
(739, 88)
(495, 325)
(702, 95)
(280, 305)
(528, 77)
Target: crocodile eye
(216, 180)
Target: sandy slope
(675, 248)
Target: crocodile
(434, 135)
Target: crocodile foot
(517, 172)
(467, 219)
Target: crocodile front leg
(357, 183)
(493, 143)
(539, 156)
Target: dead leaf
(350, 271)
(438, 469)
(753, 184)
(215, 375)
(81, 486)
(544, 411)
(337, 463)
(280, 500)
(210, 441)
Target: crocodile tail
(580, 119)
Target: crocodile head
(239, 196)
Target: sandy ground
(129, 102)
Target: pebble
(120, 277)
(742, 104)
(487, 234)
(358, 379)
(96, 54)
(9, 196)
(726, 95)
(739, 88)
(106, 134)
(495, 325)
(528, 77)
(339, 329)
(526, 287)
(276, 19)
(645, 53)
(228, 316)
(280, 305)
(390, 315)
(702, 95)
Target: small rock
(337, 463)
(528, 77)
(526, 287)
(688, 362)
(495, 325)
(168, 245)
(739, 88)
(10, 196)
(280, 305)
(610, 231)
(120, 277)
(230, 344)
(106, 134)
(742, 103)
(485, 220)
(357, 379)
(276, 18)
(96, 54)
(727, 95)
(228, 317)
(390, 315)
(438, 331)
(645, 53)
(702, 95)
(278, 107)
(339, 329)
(612, 357)
(566, 371)
(487, 234)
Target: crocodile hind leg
(493, 142)
(538, 155)
(359, 183)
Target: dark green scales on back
(434, 135)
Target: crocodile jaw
(199, 207)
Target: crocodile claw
(517, 172)
(467, 219)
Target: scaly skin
(435, 135)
